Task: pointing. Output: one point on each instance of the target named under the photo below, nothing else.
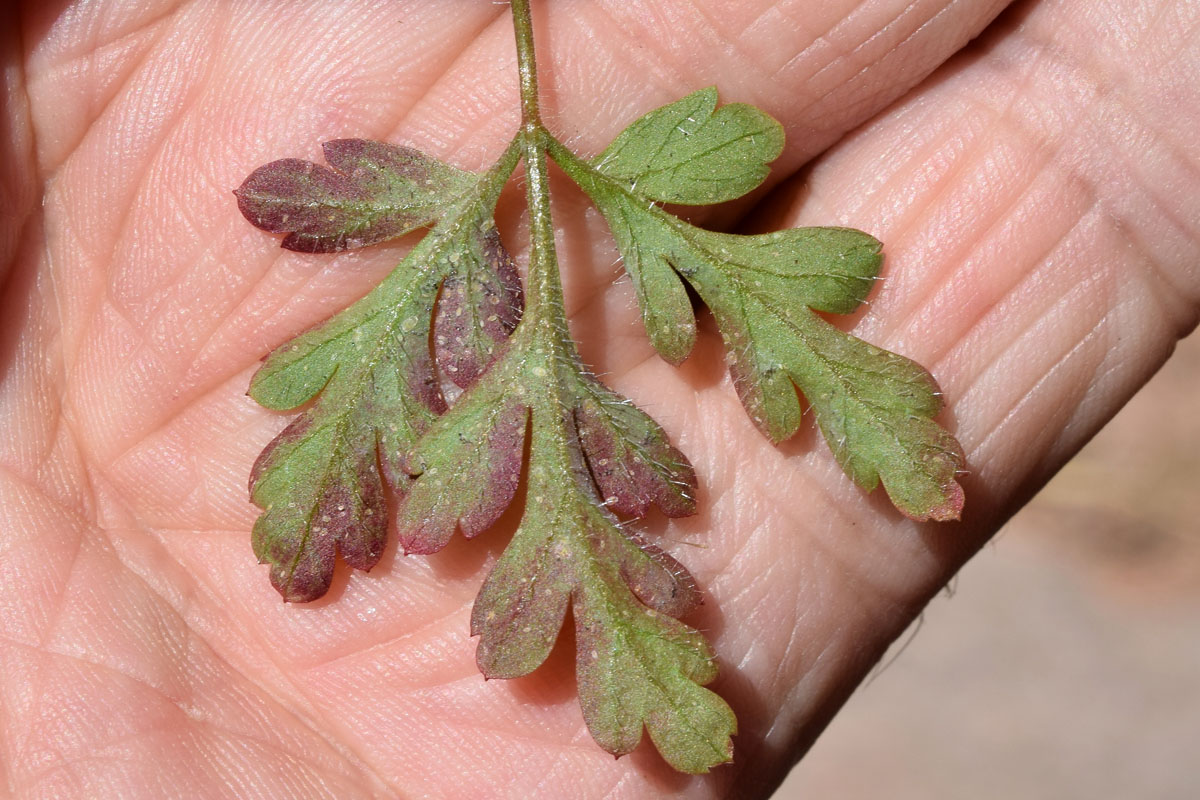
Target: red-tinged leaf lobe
(465, 473)
(303, 574)
(295, 432)
(520, 609)
(657, 579)
(319, 482)
(480, 305)
(375, 192)
(631, 459)
(356, 520)
(947, 511)
(340, 507)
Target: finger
(821, 69)
(1039, 203)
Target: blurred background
(1065, 661)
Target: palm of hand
(144, 649)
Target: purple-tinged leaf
(371, 372)
(520, 609)
(630, 457)
(322, 494)
(375, 192)
(465, 471)
(637, 665)
(479, 306)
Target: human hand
(1035, 195)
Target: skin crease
(1037, 193)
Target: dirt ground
(1066, 662)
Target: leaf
(447, 325)
(874, 408)
(637, 665)
(689, 152)
(375, 192)
(631, 460)
(465, 469)
(321, 482)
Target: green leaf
(689, 152)
(376, 389)
(375, 191)
(465, 469)
(373, 383)
(874, 408)
(666, 308)
(637, 665)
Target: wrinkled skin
(1037, 190)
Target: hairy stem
(545, 303)
(526, 65)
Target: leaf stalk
(544, 308)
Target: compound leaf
(874, 408)
(637, 665)
(376, 388)
(434, 389)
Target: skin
(1036, 189)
